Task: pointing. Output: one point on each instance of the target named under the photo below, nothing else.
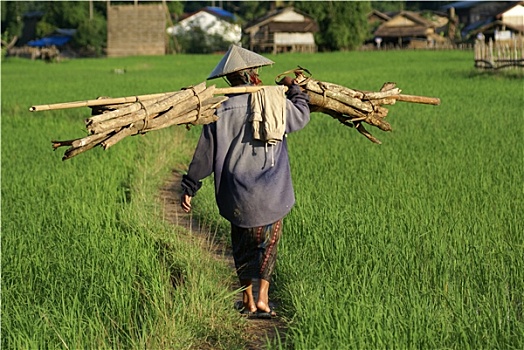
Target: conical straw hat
(237, 58)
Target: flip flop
(239, 305)
(266, 314)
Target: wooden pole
(97, 102)
(418, 99)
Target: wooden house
(410, 29)
(469, 12)
(504, 25)
(282, 30)
(486, 17)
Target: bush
(91, 36)
(198, 41)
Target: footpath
(258, 330)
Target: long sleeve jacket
(253, 184)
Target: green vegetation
(416, 243)
(86, 260)
(419, 242)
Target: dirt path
(257, 330)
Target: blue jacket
(249, 191)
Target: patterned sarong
(255, 250)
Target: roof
(485, 25)
(58, 38)
(416, 26)
(461, 5)
(378, 14)
(212, 10)
(220, 12)
(401, 31)
(289, 26)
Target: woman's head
(244, 77)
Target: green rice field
(417, 243)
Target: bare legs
(247, 295)
(263, 298)
(255, 253)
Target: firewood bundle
(113, 119)
(353, 107)
(112, 122)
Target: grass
(419, 241)
(86, 260)
(416, 243)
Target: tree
(91, 36)
(12, 17)
(342, 24)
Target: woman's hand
(286, 81)
(185, 202)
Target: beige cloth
(268, 114)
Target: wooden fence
(499, 54)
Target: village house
(282, 30)
(212, 21)
(498, 20)
(410, 29)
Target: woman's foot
(264, 310)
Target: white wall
(294, 38)
(514, 16)
(210, 24)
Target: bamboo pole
(97, 102)
(241, 89)
(135, 99)
(418, 99)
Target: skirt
(255, 250)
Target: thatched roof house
(282, 30)
(407, 27)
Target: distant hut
(136, 30)
(409, 29)
(282, 30)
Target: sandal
(239, 305)
(266, 314)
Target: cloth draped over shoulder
(268, 114)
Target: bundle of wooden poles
(354, 107)
(113, 119)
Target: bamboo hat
(237, 58)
